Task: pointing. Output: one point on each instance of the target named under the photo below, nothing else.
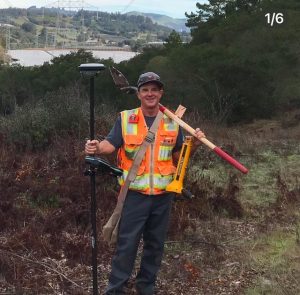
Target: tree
(218, 9)
(215, 9)
(254, 67)
(28, 27)
(173, 41)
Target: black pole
(90, 70)
(93, 195)
(92, 109)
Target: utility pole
(57, 25)
(37, 40)
(7, 41)
(46, 37)
(79, 6)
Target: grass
(208, 252)
(276, 256)
(258, 187)
(272, 251)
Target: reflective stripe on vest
(129, 127)
(142, 183)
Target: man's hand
(98, 147)
(198, 134)
(91, 147)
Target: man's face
(150, 95)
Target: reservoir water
(36, 57)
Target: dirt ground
(217, 243)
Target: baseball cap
(149, 77)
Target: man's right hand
(91, 147)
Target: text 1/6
(276, 18)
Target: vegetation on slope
(45, 27)
(240, 235)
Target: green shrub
(69, 111)
(32, 126)
(28, 128)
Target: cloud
(175, 8)
(168, 7)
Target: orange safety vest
(157, 169)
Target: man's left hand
(198, 135)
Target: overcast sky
(174, 8)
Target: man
(147, 205)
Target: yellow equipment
(176, 185)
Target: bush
(28, 128)
(32, 126)
(69, 111)
(28, 27)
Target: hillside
(238, 79)
(177, 24)
(50, 27)
(239, 235)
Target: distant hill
(177, 24)
(52, 27)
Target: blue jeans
(143, 216)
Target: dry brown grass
(45, 227)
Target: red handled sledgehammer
(216, 149)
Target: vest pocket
(141, 170)
(132, 144)
(167, 141)
(164, 177)
(166, 169)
